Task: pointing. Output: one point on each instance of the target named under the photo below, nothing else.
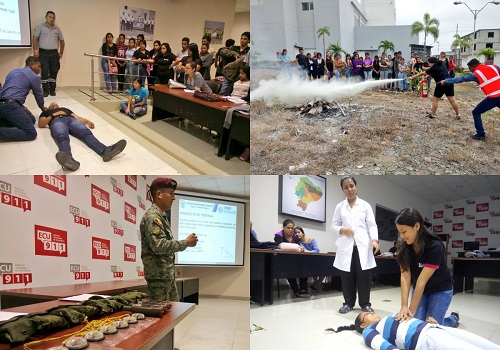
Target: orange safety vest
(489, 80)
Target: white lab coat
(361, 220)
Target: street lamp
(475, 12)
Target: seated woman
(137, 103)
(287, 235)
(63, 122)
(241, 87)
(388, 334)
(310, 245)
(193, 56)
(193, 79)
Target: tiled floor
(296, 323)
(152, 148)
(215, 324)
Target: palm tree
(335, 48)
(460, 43)
(386, 45)
(430, 26)
(321, 32)
(488, 53)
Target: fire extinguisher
(425, 92)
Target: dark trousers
(62, 127)
(356, 279)
(295, 287)
(17, 121)
(483, 106)
(50, 67)
(121, 77)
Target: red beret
(163, 182)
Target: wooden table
(168, 103)
(187, 287)
(158, 333)
(267, 265)
(465, 269)
(239, 131)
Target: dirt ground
(382, 133)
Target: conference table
(169, 103)
(465, 269)
(151, 333)
(267, 265)
(187, 287)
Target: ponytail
(342, 328)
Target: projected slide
(15, 27)
(215, 225)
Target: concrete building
(355, 25)
(481, 39)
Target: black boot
(52, 89)
(67, 161)
(46, 88)
(113, 150)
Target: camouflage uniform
(157, 253)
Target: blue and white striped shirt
(389, 334)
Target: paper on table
(236, 100)
(4, 315)
(82, 297)
(187, 90)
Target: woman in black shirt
(439, 72)
(193, 56)
(109, 48)
(141, 54)
(164, 63)
(422, 259)
(153, 71)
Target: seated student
(253, 234)
(287, 235)
(194, 80)
(192, 56)
(388, 334)
(310, 245)
(63, 122)
(137, 103)
(241, 87)
(394, 249)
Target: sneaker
(367, 308)
(302, 294)
(113, 150)
(345, 309)
(454, 313)
(52, 92)
(67, 162)
(430, 116)
(478, 137)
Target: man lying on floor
(63, 122)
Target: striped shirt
(389, 334)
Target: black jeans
(17, 124)
(50, 68)
(356, 279)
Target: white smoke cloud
(295, 91)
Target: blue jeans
(338, 74)
(110, 79)
(348, 74)
(62, 127)
(136, 111)
(403, 85)
(130, 74)
(368, 74)
(21, 126)
(143, 73)
(483, 106)
(227, 87)
(436, 305)
(389, 77)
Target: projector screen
(219, 225)
(15, 26)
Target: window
(475, 35)
(489, 45)
(474, 47)
(307, 6)
(491, 35)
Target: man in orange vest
(488, 79)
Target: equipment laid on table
(207, 96)
(151, 308)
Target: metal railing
(93, 72)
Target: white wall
(373, 189)
(85, 23)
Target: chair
(214, 86)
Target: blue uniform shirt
(18, 84)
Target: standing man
(47, 40)
(16, 121)
(241, 52)
(488, 79)
(301, 61)
(158, 244)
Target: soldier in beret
(158, 244)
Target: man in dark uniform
(301, 61)
(158, 244)
(16, 122)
